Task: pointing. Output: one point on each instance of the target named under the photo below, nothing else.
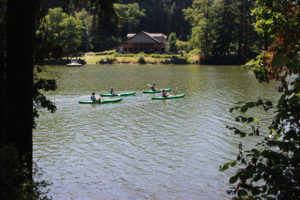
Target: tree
(70, 36)
(130, 15)
(63, 33)
(271, 170)
(20, 97)
(87, 23)
(171, 43)
(200, 17)
(234, 34)
(181, 46)
(223, 30)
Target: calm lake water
(140, 148)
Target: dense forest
(222, 31)
(152, 16)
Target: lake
(140, 148)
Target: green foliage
(200, 17)
(15, 179)
(104, 53)
(63, 33)
(155, 55)
(270, 170)
(40, 100)
(124, 55)
(165, 16)
(223, 30)
(143, 15)
(70, 35)
(141, 60)
(171, 43)
(107, 60)
(86, 20)
(130, 15)
(182, 46)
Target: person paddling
(164, 93)
(93, 97)
(153, 87)
(112, 91)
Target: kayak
(157, 91)
(169, 97)
(103, 101)
(120, 94)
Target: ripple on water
(139, 148)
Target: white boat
(74, 63)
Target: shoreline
(151, 59)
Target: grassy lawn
(95, 57)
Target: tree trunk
(19, 87)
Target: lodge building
(143, 42)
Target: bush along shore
(111, 57)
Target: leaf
(279, 60)
(269, 103)
(244, 108)
(272, 130)
(278, 135)
(242, 193)
(250, 119)
(244, 119)
(255, 190)
(225, 167)
(233, 179)
(233, 163)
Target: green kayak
(120, 94)
(157, 91)
(103, 101)
(169, 97)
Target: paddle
(117, 94)
(174, 92)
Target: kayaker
(112, 91)
(93, 97)
(153, 87)
(164, 93)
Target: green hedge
(107, 60)
(104, 53)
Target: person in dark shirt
(112, 91)
(153, 87)
(164, 93)
(93, 97)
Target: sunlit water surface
(140, 148)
